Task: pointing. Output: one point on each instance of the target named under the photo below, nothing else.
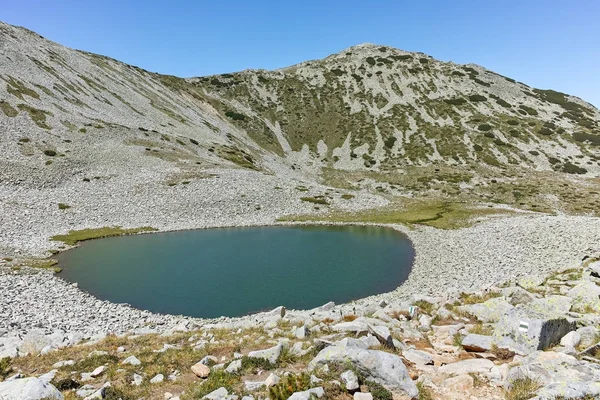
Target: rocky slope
(116, 143)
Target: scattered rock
(350, 379)
(131, 360)
(201, 370)
(30, 389)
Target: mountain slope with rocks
(492, 181)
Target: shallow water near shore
(235, 271)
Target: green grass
(63, 206)
(441, 215)
(289, 385)
(217, 379)
(522, 389)
(315, 200)
(36, 115)
(7, 109)
(76, 236)
(5, 368)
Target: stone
(357, 326)
(209, 360)
(137, 380)
(588, 335)
(531, 329)
(460, 383)
(326, 306)
(586, 296)
(558, 374)
(252, 386)
(475, 365)
(317, 392)
(517, 295)
(200, 370)
(418, 357)
(61, 364)
(234, 366)
(531, 281)
(363, 396)
(594, 266)
(302, 332)
(552, 304)
(121, 349)
(271, 354)
(571, 339)
(383, 335)
(131, 360)
(98, 371)
(30, 389)
(272, 380)
(217, 394)
(489, 311)
(279, 311)
(350, 380)
(479, 343)
(158, 379)
(384, 368)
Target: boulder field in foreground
(539, 339)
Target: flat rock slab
(384, 368)
(30, 389)
(476, 365)
(488, 311)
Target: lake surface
(236, 271)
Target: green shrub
(545, 131)
(528, 110)
(235, 116)
(5, 368)
(289, 385)
(503, 103)
(252, 364)
(217, 379)
(378, 391)
(477, 97)
(522, 389)
(50, 153)
(477, 147)
(457, 73)
(8, 110)
(337, 72)
(371, 61)
(584, 136)
(315, 200)
(456, 101)
(389, 142)
(347, 196)
(484, 127)
(573, 169)
(66, 384)
(512, 122)
(63, 206)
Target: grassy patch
(63, 206)
(315, 200)
(346, 196)
(5, 368)
(76, 236)
(522, 389)
(7, 109)
(36, 115)
(216, 379)
(441, 215)
(289, 385)
(424, 306)
(472, 298)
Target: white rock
(131, 360)
(30, 389)
(571, 339)
(137, 380)
(363, 396)
(350, 379)
(158, 379)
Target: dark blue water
(236, 271)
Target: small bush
(389, 142)
(217, 379)
(573, 169)
(315, 200)
(67, 384)
(528, 110)
(289, 385)
(424, 306)
(50, 153)
(346, 196)
(512, 122)
(5, 368)
(484, 127)
(455, 102)
(477, 98)
(424, 392)
(378, 391)
(477, 147)
(457, 73)
(522, 389)
(502, 354)
(235, 116)
(192, 141)
(255, 363)
(63, 206)
(371, 61)
(113, 393)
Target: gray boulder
(418, 357)
(552, 304)
(489, 311)
(350, 379)
(558, 373)
(586, 296)
(533, 330)
(220, 393)
(472, 366)
(30, 389)
(271, 354)
(317, 392)
(384, 368)
(475, 342)
(383, 335)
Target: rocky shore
(525, 338)
(39, 305)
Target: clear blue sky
(544, 43)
